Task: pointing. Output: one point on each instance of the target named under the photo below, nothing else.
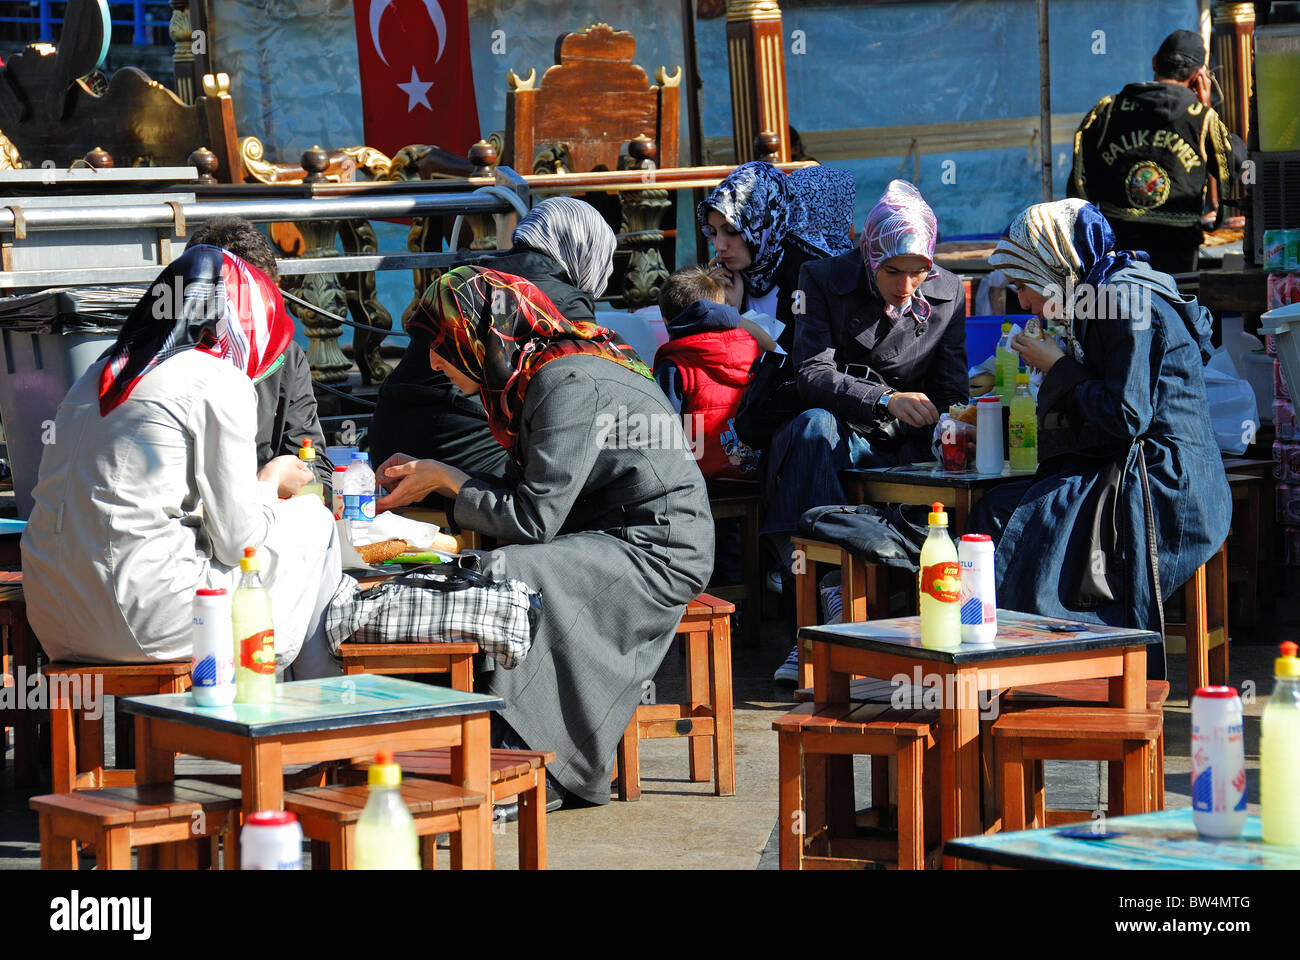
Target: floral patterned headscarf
(500, 330)
(900, 224)
(759, 201)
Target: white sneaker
(788, 672)
(773, 581)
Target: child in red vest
(704, 369)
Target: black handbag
(885, 432)
(769, 402)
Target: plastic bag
(1233, 413)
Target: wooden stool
(1203, 633)
(1028, 737)
(77, 740)
(708, 715)
(117, 819)
(1247, 518)
(814, 731)
(19, 660)
(864, 592)
(739, 499)
(329, 817)
(515, 773)
(1096, 693)
(456, 659)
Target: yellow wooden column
(1231, 50)
(756, 54)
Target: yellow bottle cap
(1287, 665)
(307, 451)
(383, 772)
(249, 562)
(1022, 378)
(1006, 328)
(937, 517)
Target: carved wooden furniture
(578, 119)
(756, 53)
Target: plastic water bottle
(939, 584)
(359, 496)
(1005, 364)
(1022, 427)
(254, 632)
(1218, 763)
(386, 837)
(307, 454)
(1279, 753)
(212, 661)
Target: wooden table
(1025, 652)
(311, 721)
(921, 484)
(1164, 840)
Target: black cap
(1182, 48)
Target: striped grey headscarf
(576, 235)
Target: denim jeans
(803, 471)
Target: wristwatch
(883, 400)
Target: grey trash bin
(47, 341)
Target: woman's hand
(1041, 354)
(288, 473)
(914, 409)
(411, 480)
(733, 285)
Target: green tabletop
(1166, 840)
(328, 704)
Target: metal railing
(145, 17)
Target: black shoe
(509, 812)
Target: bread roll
(445, 543)
(373, 553)
(963, 412)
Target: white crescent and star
(416, 90)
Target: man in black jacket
(1145, 156)
(286, 403)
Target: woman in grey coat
(610, 522)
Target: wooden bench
(740, 500)
(515, 773)
(706, 718)
(864, 592)
(77, 739)
(1247, 532)
(1203, 632)
(187, 815)
(1095, 693)
(456, 659)
(329, 817)
(19, 660)
(1026, 738)
(813, 731)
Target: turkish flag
(417, 80)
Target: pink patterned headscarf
(901, 223)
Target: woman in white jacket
(149, 488)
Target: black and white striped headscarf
(576, 235)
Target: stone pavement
(680, 825)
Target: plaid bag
(448, 603)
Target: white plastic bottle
(939, 583)
(359, 497)
(212, 663)
(385, 836)
(1218, 763)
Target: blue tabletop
(1166, 840)
(327, 704)
(1019, 635)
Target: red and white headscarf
(207, 299)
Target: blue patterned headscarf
(759, 201)
(828, 195)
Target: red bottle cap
(977, 537)
(1216, 693)
(271, 818)
(211, 592)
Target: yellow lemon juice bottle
(385, 837)
(1022, 427)
(939, 583)
(254, 635)
(307, 454)
(1279, 753)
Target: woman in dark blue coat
(1130, 492)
